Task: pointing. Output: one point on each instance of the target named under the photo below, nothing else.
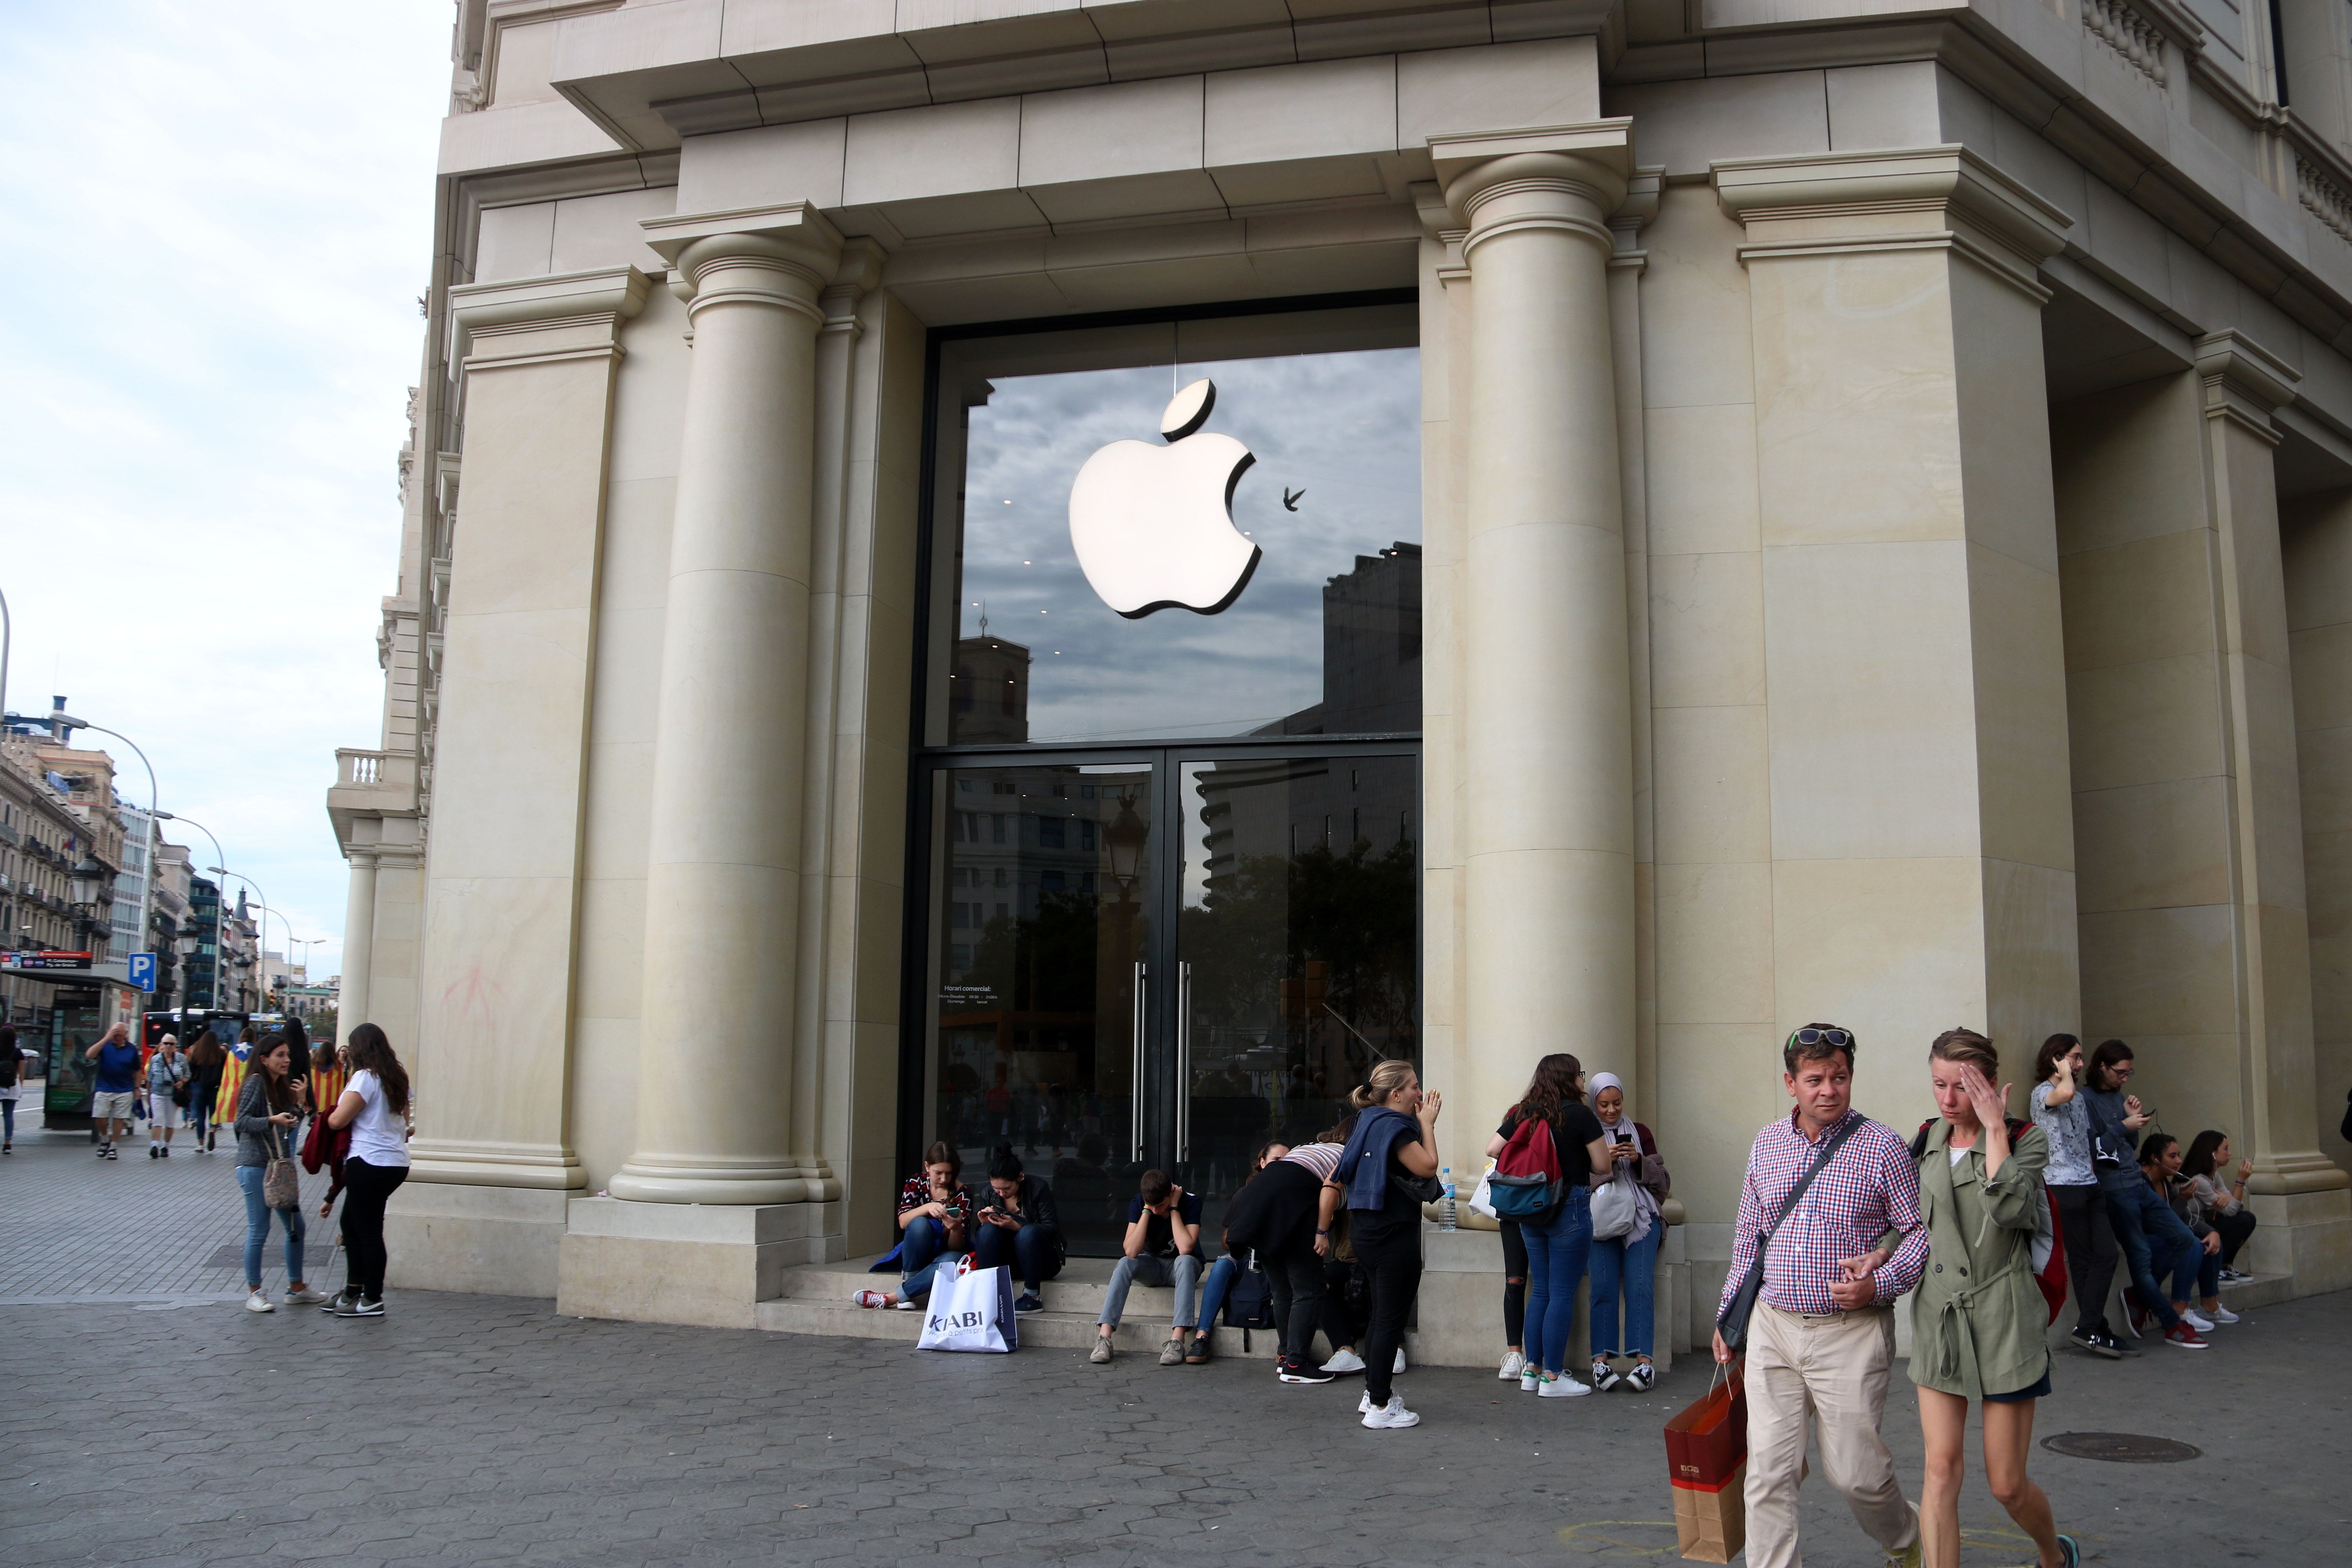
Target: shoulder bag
(281, 1184)
(1733, 1324)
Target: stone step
(1047, 1331)
(2261, 1291)
(1079, 1289)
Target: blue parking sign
(142, 970)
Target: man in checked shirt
(1822, 1336)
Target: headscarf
(1647, 1206)
(1598, 1081)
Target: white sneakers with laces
(259, 1301)
(1390, 1417)
(1344, 1361)
(2219, 1314)
(1514, 1364)
(1562, 1388)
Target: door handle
(1183, 1061)
(1135, 1084)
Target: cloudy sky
(223, 213)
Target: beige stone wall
(2317, 540)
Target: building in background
(40, 839)
(1818, 513)
(169, 922)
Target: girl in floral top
(934, 1224)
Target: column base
(494, 1240)
(706, 1264)
(2307, 1236)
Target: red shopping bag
(1706, 1461)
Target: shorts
(161, 1111)
(2038, 1391)
(112, 1105)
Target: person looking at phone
(2154, 1240)
(1018, 1225)
(934, 1222)
(2160, 1162)
(1163, 1247)
(1626, 1266)
(1821, 1339)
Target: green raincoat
(1978, 1319)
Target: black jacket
(1037, 1206)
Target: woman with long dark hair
(1391, 1154)
(265, 1121)
(206, 1056)
(2060, 1110)
(374, 1105)
(2216, 1200)
(1559, 1243)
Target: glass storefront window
(1324, 638)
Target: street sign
(142, 970)
(47, 960)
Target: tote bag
(973, 1312)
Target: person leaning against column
(1978, 1321)
(2091, 1248)
(2217, 1201)
(374, 1104)
(1821, 1338)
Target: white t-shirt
(377, 1136)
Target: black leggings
(1515, 1283)
(2234, 1228)
(1295, 1276)
(1394, 1266)
(366, 1189)
(2092, 1253)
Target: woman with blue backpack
(1386, 1172)
(1545, 1153)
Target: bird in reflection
(1290, 499)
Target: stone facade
(1887, 557)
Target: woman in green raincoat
(1978, 1319)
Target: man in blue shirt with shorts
(116, 1088)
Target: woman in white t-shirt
(375, 1106)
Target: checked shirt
(1870, 1188)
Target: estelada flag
(232, 1080)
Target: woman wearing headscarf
(1626, 1266)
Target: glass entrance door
(1296, 951)
(1163, 960)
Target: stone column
(359, 943)
(1548, 773)
(484, 1207)
(722, 894)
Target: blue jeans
(1634, 1266)
(1034, 1249)
(1183, 1271)
(924, 1246)
(2155, 1243)
(8, 1110)
(1214, 1289)
(1556, 1255)
(257, 1229)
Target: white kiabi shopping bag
(970, 1312)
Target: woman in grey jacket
(265, 1120)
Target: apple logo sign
(1153, 526)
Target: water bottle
(1445, 1213)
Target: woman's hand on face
(1991, 1107)
(2245, 1168)
(1431, 1104)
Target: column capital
(777, 255)
(2244, 381)
(1570, 177)
(1915, 198)
(856, 275)
(533, 319)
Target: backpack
(1526, 1183)
(1249, 1302)
(2047, 1260)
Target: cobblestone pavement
(161, 1427)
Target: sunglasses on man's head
(1823, 1038)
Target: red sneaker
(872, 1298)
(2184, 1336)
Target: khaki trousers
(1834, 1366)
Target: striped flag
(232, 1080)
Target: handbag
(1616, 1208)
(1733, 1324)
(972, 1312)
(281, 1183)
(1706, 1461)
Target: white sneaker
(1562, 1388)
(259, 1301)
(2196, 1320)
(304, 1298)
(2219, 1314)
(1398, 1370)
(1514, 1364)
(1364, 1404)
(1344, 1361)
(1391, 1416)
(1531, 1378)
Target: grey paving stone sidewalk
(170, 1430)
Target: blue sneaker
(1027, 1302)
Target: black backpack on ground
(1249, 1304)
